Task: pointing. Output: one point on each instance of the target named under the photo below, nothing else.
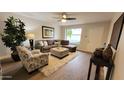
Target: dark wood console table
(99, 62)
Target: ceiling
(81, 17)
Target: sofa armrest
(64, 42)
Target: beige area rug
(56, 63)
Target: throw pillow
(45, 43)
(56, 43)
(41, 43)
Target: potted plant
(13, 35)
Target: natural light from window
(73, 35)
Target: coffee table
(59, 52)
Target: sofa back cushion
(50, 42)
(64, 42)
(41, 43)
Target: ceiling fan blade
(70, 18)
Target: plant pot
(15, 56)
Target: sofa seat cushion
(52, 46)
(46, 47)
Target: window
(73, 35)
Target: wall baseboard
(4, 59)
(84, 51)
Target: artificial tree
(13, 35)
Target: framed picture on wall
(116, 33)
(47, 32)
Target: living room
(61, 46)
(77, 39)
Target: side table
(99, 62)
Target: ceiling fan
(64, 17)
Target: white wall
(115, 17)
(38, 33)
(32, 26)
(119, 58)
(94, 35)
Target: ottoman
(59, 52)
(72, 48)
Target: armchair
(31, 60)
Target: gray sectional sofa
(52, 44)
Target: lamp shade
(30, 36)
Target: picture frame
(117, 30)
(47, 32)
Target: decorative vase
(98, 52)
(107, 53)
(15, 56)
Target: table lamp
(31, 40)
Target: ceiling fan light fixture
(63, 20)
(63, 16)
